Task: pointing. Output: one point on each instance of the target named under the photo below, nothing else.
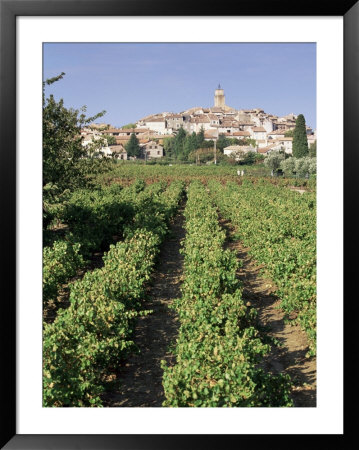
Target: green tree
(190, 144)
(274, 159)
(222, 142)
(208, 144)
(300, 141)
(288, 166)
(111, 140)
(249, 158)
(62, 142)
(313, 150)
(129, 126)
(289, 133)
(200, 138)
(168, 144)
(178, 143)
(133, 146)
(305, 166)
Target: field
(180, 286)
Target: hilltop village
(265, 132)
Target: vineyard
(149, 300)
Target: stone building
(219, 98)
(152, 150)
(220, 119)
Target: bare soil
(139, 378)
(290, 356)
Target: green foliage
(133, 146)
(288, 166)
(248, 141)
(62, 147)
(249, 158)
(313, 150)
(190, 144)
(94, 334)
(60, 263)
(111, 140)
(300, 141)
(274, 160)
(129, 126)
(200, 138)
(183, 145)
(93, 218)
(168, 147)
(201, 155)
(305, 166)
(279, 227)
(289, 133)
(299, 166)
(222, 142)
(178, 144)
(218, 348)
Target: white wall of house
(286, 143)
(268, 125)
(311, 139)
(259, 135)
(159, 127)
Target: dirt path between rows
(140, 376)
(290, 356)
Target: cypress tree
(200, 138)
(133, 147)
(300, 142)
(179, 141)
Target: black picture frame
(9, 10)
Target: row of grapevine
(93, 218)
(279, 227)
(94, 333)
(218, 348)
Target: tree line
(184, 146)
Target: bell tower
(219, 98)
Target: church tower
(219, 98)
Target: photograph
(175, 240)
(179, 224)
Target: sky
(131, 81)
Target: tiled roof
(127, 130)
(259, 129)
(174, 116)
(117, 149)
(241, 133)
(211, 132)
(202, 119)
(265, 149)
(234, 147)
(160, 119)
